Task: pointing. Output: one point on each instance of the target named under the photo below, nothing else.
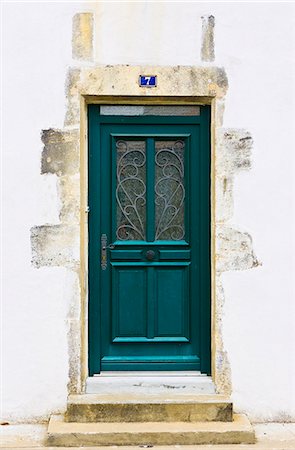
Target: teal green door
(149, 242)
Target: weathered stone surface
(69, 192)
(72, 116)
(55, 245)
(234, 250)
(207, 47)
(233, 150)
(151, 385)
(61, 152)
(82, 38)
(148, 408)
(62, 433)
(233, 153)
(177, 80)
(224, 198)
(222, 366)
(219, 112)
(121, 80)
(74, 346)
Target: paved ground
(272, 436)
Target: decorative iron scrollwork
(131, 190)
(169, 190)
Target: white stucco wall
(255, 44)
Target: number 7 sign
(147, 80)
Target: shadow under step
(61, 433)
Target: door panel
(149, 194)
(129, 312)
(172, 298)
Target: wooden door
(149, 242)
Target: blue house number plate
(147, 80)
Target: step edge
(147, 412)
(240, 435)
(98, 399)
(240, 423)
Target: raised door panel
(172, 302)
(129, 302)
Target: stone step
(193, 383)
(61, 433)
(175, 407)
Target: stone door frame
(65, 154)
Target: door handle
(150, 255)
(104, 247)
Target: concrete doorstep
(271, 436)
(61, 433)
(176, 407)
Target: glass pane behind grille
(148, 110)
(169, 190)
(131, 190)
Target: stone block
(75, 434)
(82, 37)
(61, 152)
(233, 151)
(207, 47)
(148, 408)
(234, 250)
(55, 245)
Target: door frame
(203, 121)
(137, 100)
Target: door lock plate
(104, 258)
(104, 248)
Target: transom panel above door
(149, 242)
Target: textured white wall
(36, 54)
(255, 44)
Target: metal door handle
(111, 247)
(104, 247)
